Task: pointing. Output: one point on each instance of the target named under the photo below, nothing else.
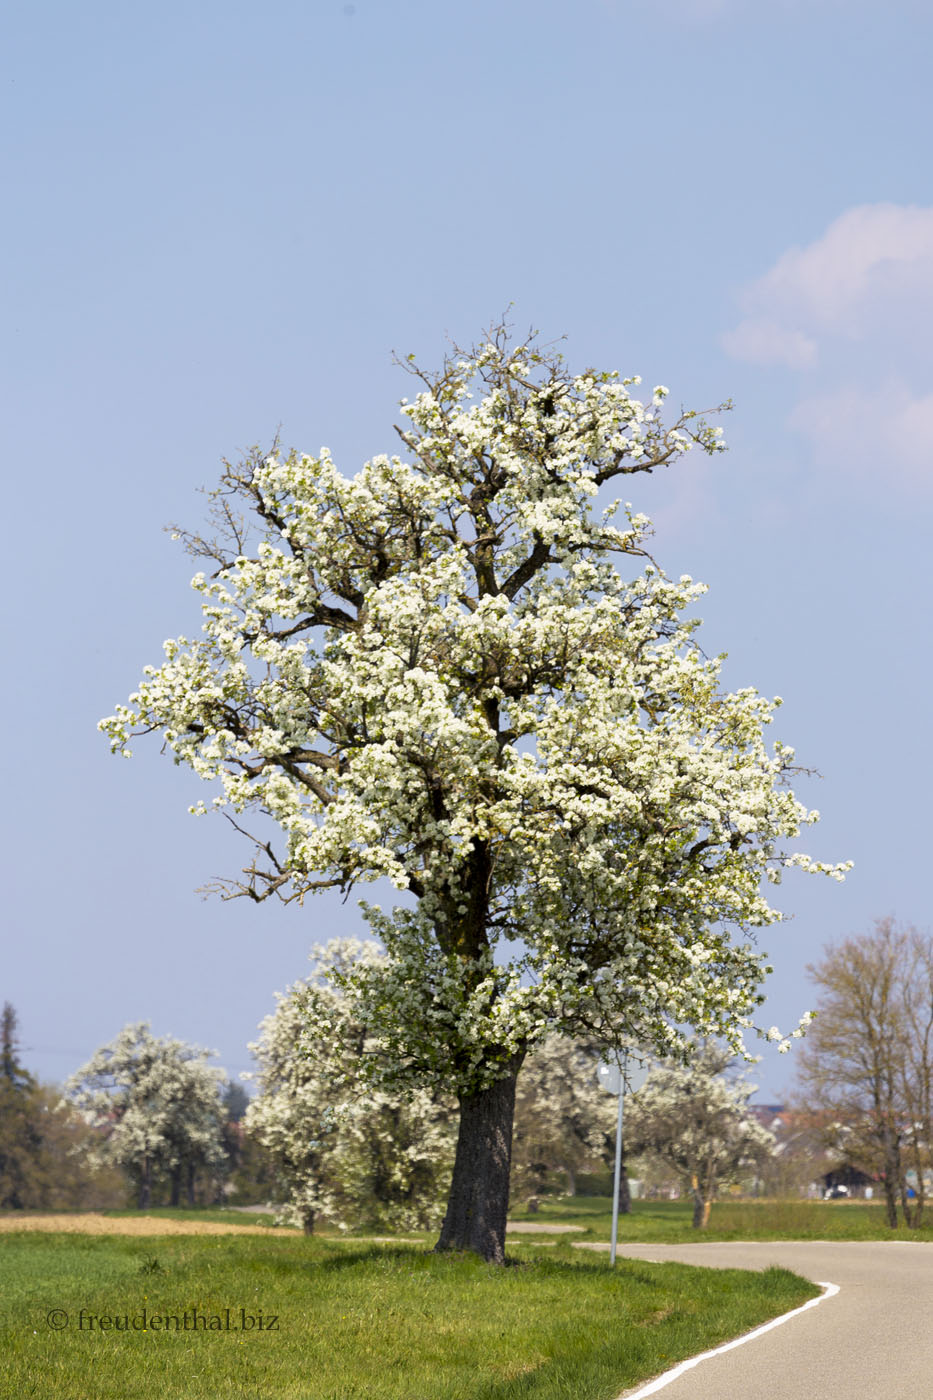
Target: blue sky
(223, 218)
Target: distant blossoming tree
(341, 1147)
(434, 672)
(564, 1121)
(694, 1120)
(159, 1105)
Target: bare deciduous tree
(867, 1063)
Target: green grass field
(663, 1222)
(190, 1317)
(668, 1222)
(219, 1215)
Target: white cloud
(887, 432)
(872, 258)
(764, 342)
(852, 310)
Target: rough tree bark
(890, 1201)
(625, 1191)
(910, 1207)
(892, 1172)
(175, 1177)
(701, 1206)
(479, 1191)
(145, 1185)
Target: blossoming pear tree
(456, 671)
(341, 1147)
(693, 1119)
(159, 1105)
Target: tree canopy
(435, 672)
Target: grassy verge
(230, 1215)
(668, 1222)
(385, 1323)
(219, 1215)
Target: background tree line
(44, 1161)
(145, 1122)
(149, 1121)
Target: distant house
(846, 1180)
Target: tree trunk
(701, 1211)
(307, 1221)
(571, 1181)
(911, 1212)
(890, 1200)
(625, 1194)
(919, 1200)
(175, 1197)
(145, 1184)
(189, 1184)
(479, 1190)
(892, 1171)
(701, 1206)
(891, 1176)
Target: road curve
(872, 1341)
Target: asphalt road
(872, 1341)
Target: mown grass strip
(669, 1222)
(385, 1323)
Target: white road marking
(652, 1388)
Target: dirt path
(538, 1227)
